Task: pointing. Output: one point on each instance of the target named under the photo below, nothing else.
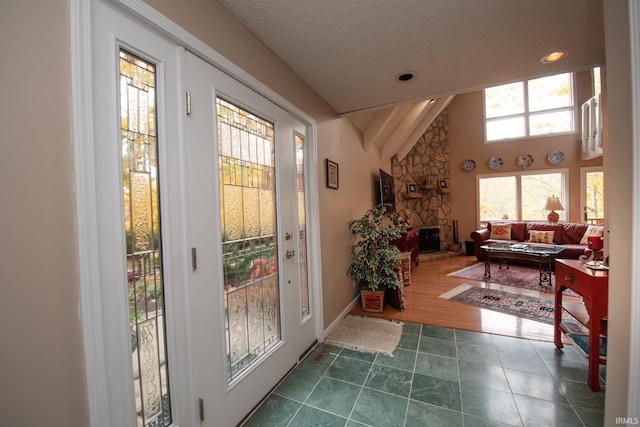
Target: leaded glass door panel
(246, 164)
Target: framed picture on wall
(412, 187)
(443, 183)
(332, 175)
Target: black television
(387, 194)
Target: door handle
(290, 253)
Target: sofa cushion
(519, 231)
(546, 226)
(572, 233)
(536, 236)
(500, 231)
(592, 230)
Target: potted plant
(374, 261)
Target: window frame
(564, 197)
(527, 114)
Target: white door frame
(98, 367)
(633, 404)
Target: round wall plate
(468, 165)
(555, 157)
(495, 163)
(524, 160)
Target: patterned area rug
(366, 334)
(515, 275)
(523, 306)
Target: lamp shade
(553, 204)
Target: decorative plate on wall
(555, 157)
(468, 165)
(495, 163)
(524, 160)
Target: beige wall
(41, 362)
(466, 136)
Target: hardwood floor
(429, 280)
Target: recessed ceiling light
(554, 56)
(406, 76)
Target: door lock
(288, 236)
(290, 253)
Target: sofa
(571, 235)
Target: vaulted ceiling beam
(406, 127)
(436, 108)
(376, 129)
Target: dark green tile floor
(438, 377)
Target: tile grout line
(413, 374)
(361, 389)
(569, 401)
(455, 344)
(303, 403)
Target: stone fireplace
(427, 165)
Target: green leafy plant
(373, 259)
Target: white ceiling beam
(376, 129)
(436, 108)
(404, 129)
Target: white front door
(200, 302)
(244, 226)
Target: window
(535, 107)
(520, 196)
(592, 194)
(597, 85)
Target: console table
(593, 286)
(408, 242)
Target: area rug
(523, 306)
(366, 334)
(515, 275)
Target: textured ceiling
(351, 51)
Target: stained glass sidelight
(249, 244)
(143, 241)
(302, 228)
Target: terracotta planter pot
(372, 300)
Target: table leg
(594, 355)
(557, 317)
(545, 271)
(487, 265)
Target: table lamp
(553, 205)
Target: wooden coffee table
(544, 255)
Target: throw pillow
(541, 236)
(500, 231)
(592, 230)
